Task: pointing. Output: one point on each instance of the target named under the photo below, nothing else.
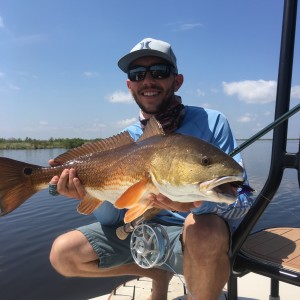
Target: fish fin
(134, 193)
(110, 143)
(152, 128)
(151, 213)
(15, 184)
(136, 211)
(88, 204)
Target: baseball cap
(148, 47)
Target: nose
(148, 77)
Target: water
(26, 235)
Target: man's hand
(160, 201)
(67, 183)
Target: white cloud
(23, 40)
(120, 97)
(90, 74)
(184, 26)
(267, 113)
(189, 26)
(29, 39)
(295, 92)
(1, 22)
(196, 92)
(96, 126)
(126, 122)
(206, 105)
(43, 123)
(252, 91)
(200, 93)
(246, 118)
(5, 83)
(13, 87)
(214, 91)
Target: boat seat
(275, 247)
(274, 253)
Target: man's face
(153, 95)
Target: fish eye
(27, 171)
(205, 161)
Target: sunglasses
(158, 71)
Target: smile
(150, 94)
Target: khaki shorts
(113, 252)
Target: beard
(160, 107)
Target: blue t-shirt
(213, 127)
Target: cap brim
(128, 59)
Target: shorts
(113, 252)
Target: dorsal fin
(152, 128)
(113, 142)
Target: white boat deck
(251, 287)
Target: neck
(144, 115)
(170, 118)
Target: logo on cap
(145, 45)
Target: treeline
(28, 143)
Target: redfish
(124, 172)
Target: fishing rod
(262, 132)
(124, 230)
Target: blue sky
(59, 77)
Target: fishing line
(187, 290)
(282, 207)
(150, 247)
(149, 243)
(262, 132)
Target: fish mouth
(223, 189)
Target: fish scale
(124, 172)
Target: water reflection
(28, 232)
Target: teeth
(150, 93)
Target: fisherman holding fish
(199, 230)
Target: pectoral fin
(88, 205)
(136, 193)
(136, 211)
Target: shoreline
(30, 144)
(33, 144)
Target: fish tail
(15, 184)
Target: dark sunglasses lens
(156, 71)
(137, 74)
(160, 71)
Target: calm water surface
(26, 235)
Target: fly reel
(150, 245)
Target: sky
(58, 62)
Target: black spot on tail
(27, 171)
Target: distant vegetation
(29, 143)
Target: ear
(128, 83)
(178, 82)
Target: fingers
(52, 163)
(69, 185)
(80, 188)
(197, 203)
(54, 180)
(160, 201)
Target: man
(199, 232)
